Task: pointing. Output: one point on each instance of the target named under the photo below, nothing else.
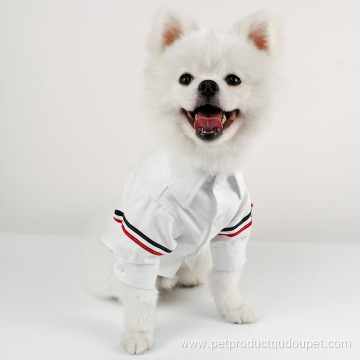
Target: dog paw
(188, 278)
(190, 281)
(240, 315)
(137, 342)
(164, 283)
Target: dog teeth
(223, 118)
(212, 132)
(196, 116)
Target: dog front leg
(139, 318)
(224, 289)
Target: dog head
(209, 88)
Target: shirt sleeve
(228, 248)
(140, 231)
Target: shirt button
(219, 221)
(219, 179)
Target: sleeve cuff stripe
(120, 218)
(247, 217)
(240, 231)
(133, 238)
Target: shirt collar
(185, 182)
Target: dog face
(210, 86)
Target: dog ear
(169, 25)
(262, 30)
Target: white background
(72, 117)
(71, 123)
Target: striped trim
(244, 224)
(137, 236)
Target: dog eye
(233, 80)
(185, 79)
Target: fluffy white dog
(208, 92)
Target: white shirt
(166, 215)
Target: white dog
(208, 91)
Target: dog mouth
(209, 121)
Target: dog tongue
(209, 121)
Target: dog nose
(208, 88)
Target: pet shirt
(166, 215)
